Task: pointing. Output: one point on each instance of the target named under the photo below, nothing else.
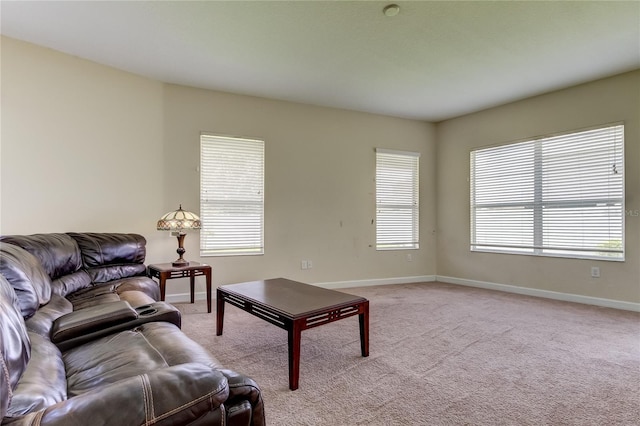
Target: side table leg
(208, 282)
(364, 329)
(163, 282)
(219, 312)
(192, 283)
(294, 333)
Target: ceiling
(433, 61)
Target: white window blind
(555, 196)
(231, 196)
(397, 207)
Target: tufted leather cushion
(148, 347)
(59, 254)
(99, 249)
(111, 256)
(105, 274)
(43, 383)
(68, 284)
(60, 257)
(42, 321)
(14, 342)
(27, 277)
(137, 291)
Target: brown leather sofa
(84, 341)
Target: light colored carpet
(442, 354)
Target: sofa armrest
(181, 394)
(153, 312)
(84, 321)
(241, 389)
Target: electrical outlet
(409, 257)
(304, 264)
(309, 264)
(595, 272)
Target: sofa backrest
(75, 260)
(59, 254)
(111, 256)
(60, 257)
(26, 275)
(15, 348)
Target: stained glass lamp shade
(179, 221)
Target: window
(397, 200)
(554, 196)
(231, 196)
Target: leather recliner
(74, 350)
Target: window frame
(545, 200)
(247, 201)
(393, 204)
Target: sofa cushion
(110, 359)
(146, 348)
(43, 383)
(187, 394)
(42, 321)
(59, 254)
(142, 284)
(108, 273)
(15, 347)
(27, 277)
(68, 284)
(135, 290)
(60, 257)
(100, 249)
(89, 299)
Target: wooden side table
(166, 271)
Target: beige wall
(319, 184)
(85, 147)
(89, 148)
(600, 102)
(81, 145)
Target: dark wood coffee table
(294, 307)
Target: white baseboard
(377, 281)
(185, 297)
(567, 297)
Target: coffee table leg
(294, 333)
(219, 312)
(364, 329)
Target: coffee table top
(292, 298)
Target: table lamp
(179, 220)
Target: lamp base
(181, 262)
